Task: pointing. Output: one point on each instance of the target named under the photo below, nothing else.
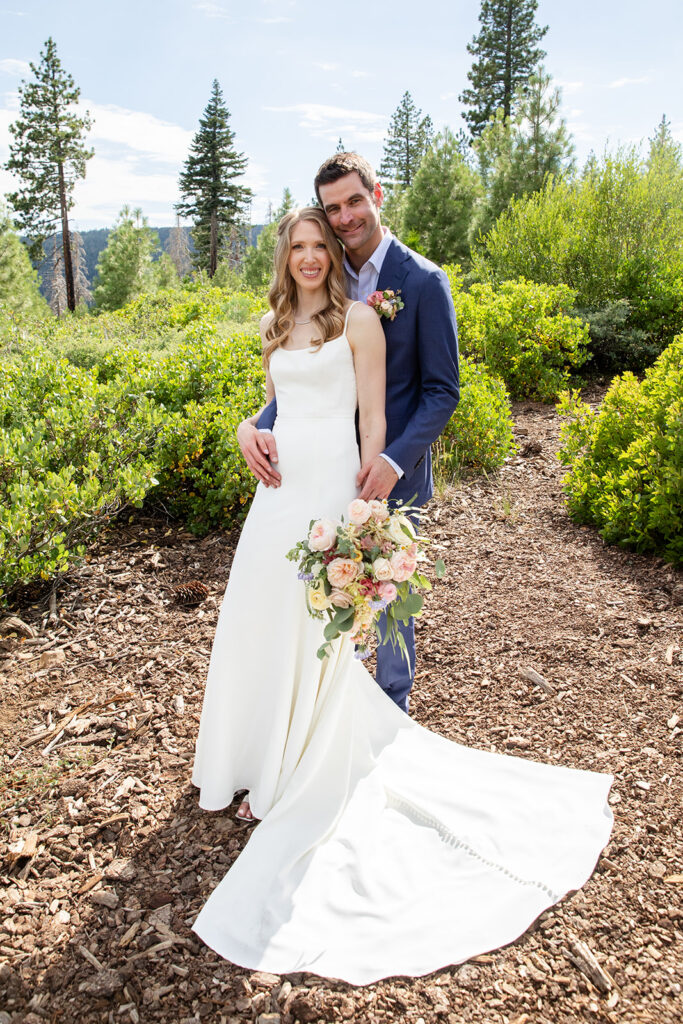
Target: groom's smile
(353, 213)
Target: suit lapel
(394, 267)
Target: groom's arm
(437, 342)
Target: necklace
(302, 321)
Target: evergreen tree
(407, 141)
(19, 282)
(210, 196)
(664, 151)
(258, 262)
(179, 249)
(517, 155)
(341, 148)
(506, 53)
(48, 156)
(440, 204)
(56, 282)
(124, 268)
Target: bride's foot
(244, 812)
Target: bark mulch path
(541, 642)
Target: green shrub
(612, 234)
(523, 332)
(626, 460)
(478, 435)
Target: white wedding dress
(384, 849)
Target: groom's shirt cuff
(397, 469)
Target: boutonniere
(387, 303)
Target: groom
(422, 364)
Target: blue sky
(298, 74)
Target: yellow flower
(318, 598)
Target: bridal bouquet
(354, 571)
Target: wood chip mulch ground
(542, 642)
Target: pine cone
(188, 594)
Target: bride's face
(309, 260)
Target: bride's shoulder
(360, 314)
(265, 322)
(363, 325)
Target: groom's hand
(260, 451)
(376, 480)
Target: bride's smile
(309, 261)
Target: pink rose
(341, 572)
(382, 569)
(359, 512)
(340, 599)
(322, 535)
(378, 510)
(375, 298)
(402, 566)
(388, 592)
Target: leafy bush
(523, 332)
(478, 435)
(612, 234)
(626, 460)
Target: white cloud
(619, 83)
(15, 67)
(273, 21)
(447, 96)
(568, 88)
(211, 10)
(137, 161)
(326, 67)
(361, 74)
(330, 122)
(139, 131)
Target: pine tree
(407, 141)
(179, 249)
(506, 54)
(439, 206)
(518, 155)
(341, 148)
(56, 282)
(210, 196)
(48, 156)
(124, 268)
(19, 282)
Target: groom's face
(353, 213)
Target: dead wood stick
(91, 958)
(583, 958)
(53, 616)
(534, 677)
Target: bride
(383, 848)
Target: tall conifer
(48, 156)
(506, 54)
(209, 194)
(407, 141)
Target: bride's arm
(259, 448)
(366, 339)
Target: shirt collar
(377, 258)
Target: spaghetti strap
(346, 321)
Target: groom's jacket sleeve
(437, 350)
(267, 418)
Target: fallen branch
(583, 958)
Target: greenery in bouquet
(357, 570)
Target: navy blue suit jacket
(422, 368)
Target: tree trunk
(66, 245)
(507, 83)
(213, 244)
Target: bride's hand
(376, 480)
(260, 452)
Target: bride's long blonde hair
(329, 321)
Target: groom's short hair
(335, 167)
